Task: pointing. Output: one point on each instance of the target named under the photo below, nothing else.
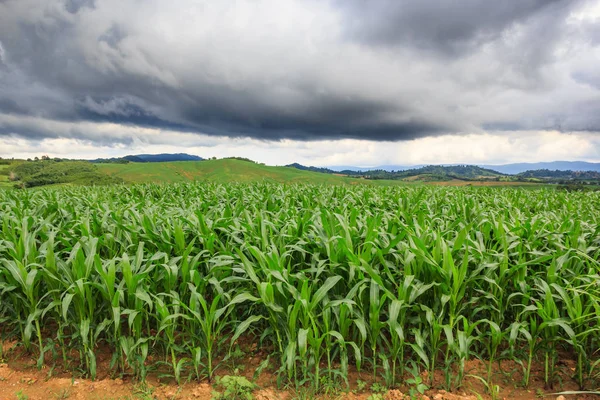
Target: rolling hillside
(61, 172)
(509, 169)
(235, 170)
(519, 168)
(426, 173)
(143, 158)
(4, 182)
(224, 170)
(51, 172)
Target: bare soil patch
(20, 379)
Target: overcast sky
(337, 82)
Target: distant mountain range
(429, 172)
(437, 173)
(143, 158)
(486, 169)
(552, 166)
(340, 168)
(313, 169)
(510, 169)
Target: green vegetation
(236, 170)
(579, 186)
(21, 396)
(49, 172)
(4, 176)
(566, 180)
(439, 172)
(241, 159)
(469, 173)
(234, 388)
(319, 169)
(144, 158)
(224, 170)
(427, 173)
(148, 169)
(561, 175)
(390, 281)
(233, 169)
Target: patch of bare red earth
(21, 376)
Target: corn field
(326, 279)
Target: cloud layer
(488, 148)
(301, 70)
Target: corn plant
(170, 278)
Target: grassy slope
(219, 171)
(51, 172)
(4, 182)
(228, 170)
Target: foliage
(430, 172)
(313, 169)
(240, 159)
(222, 171)
(322, 278)
(234, 388)
(114, 160)
(416, 383)
(21, 396)
(378, 388)
(148, 158)
(165, 157)
(560, 174)
(48, 172)
(576, 187)
(440, 173)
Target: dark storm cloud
(444, 26)
(9, 106)
(74, 6)
(398, 70)
(321, 117)
(86, 94)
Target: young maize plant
(172, 278)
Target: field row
(389, 280)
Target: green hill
(561, 175)
(4, 174)
(434, 173)
(429, 173)
(142, 158)
(54, 171)
(224, 170)
(49, 172)
(456, 171)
